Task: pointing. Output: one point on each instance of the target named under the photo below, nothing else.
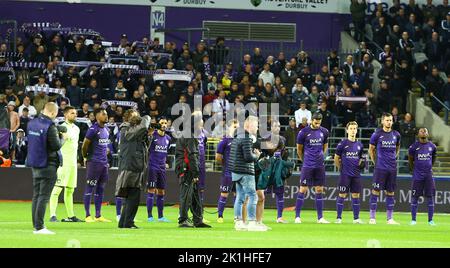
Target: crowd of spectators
(259, 78)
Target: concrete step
(443, 158)
(441, 169)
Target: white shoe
(281, 220)
(44, 231)
(262, 224)
(298, 220)
(358, 221)
(392, 222)
(118, 218)
(338, 221)
(322, 221)
(239, 225)
(255, 227)
(372, 221)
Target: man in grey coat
(132, 165)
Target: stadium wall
(16, 184)
(317, 30)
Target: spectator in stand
(257, 59)
(395, 118)
(381, 32)
(302, 112)
(384, 100)
(435, 51)
(74, 93)
(266, 75)
(408, 131)
(268, 96)
(120, 92)
(366, 118)
(406, 47)
(387, 71)
(10, 96)
(221, 104)
(327, 116)
(435, 87)
(387, 53)
(414, 29)
(429, 10)
(291, 133)
(348, 68)
(285, 102)
(333, 60)
(198, 55)
(24, 118)
(14, 125)
(314, 99)
(219, 52)
(93, 94)
(84, 112)
(288, 77)
(429, 28)
(358, 12)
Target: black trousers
(130, 208)
(190, 200)
(42, 189)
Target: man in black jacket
(242, 167)
(44, 142)
(187, 170)
(132, 164)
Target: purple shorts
(156, 178)
(312, 176)
(384, 180)
(349, 183)
(96, 173)
(226, 183)
(424, 187)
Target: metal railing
(188, 30)
(446, 108)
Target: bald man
(44, 142)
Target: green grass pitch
(16, 231)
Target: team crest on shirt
(430, 149)
(321, 135)
(359, 148)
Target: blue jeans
(245, 186)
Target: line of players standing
(312, 144)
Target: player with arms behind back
(348, 159)
(386, 142)
(312, 143)
(422, 155)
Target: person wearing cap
(312, 144)
(15, 123)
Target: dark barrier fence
(16, 184)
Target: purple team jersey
(423, 154)
(224, 148)
(386, 143)
(350, 153)
(158, 151)
(313, 141)
(99, 137)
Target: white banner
(316, 6)
(157, 21)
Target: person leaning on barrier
(132, 165)
(44, 143)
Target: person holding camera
(44, 143)
(132, 165)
